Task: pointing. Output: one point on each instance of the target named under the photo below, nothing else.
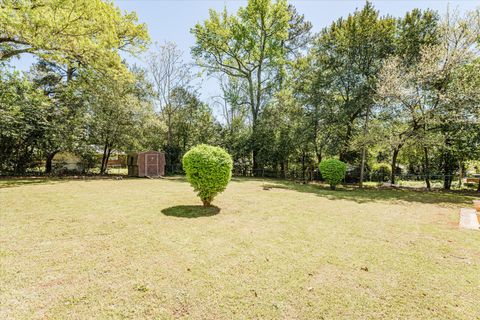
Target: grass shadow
(175, 178)
(10, 183)
(372, 194)
(191, 211)
(247, 179)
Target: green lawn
(143, 249)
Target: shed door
(151, 165)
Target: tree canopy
(84, 32)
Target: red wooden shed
(146, 164)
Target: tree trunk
(106, 154)
(447, 182)
(364, 147)
(255, 163)
(344, 151)
(303, 165)
(108, 157)
(426, 168)
(254, 110)
(48, 162)
(448, 166)
(362, 166)
(460, 174)
(394, 164)
(70, 71)
(169, 129)
(318, 151)
(255, 166)
(319, 156)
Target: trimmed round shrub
(208, 170)
(380, 172)
(333, 171)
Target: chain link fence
(414, 181)
(417, 181)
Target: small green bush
(380, 172)
(333, 171)
(208, 170)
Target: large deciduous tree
(23, 122)
(248, 46)
(84, 32)
(350, 52)
(415, 31)
(427, 96)
(169, 74)
(66, 110)
(118, 111)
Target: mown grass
(142, 249)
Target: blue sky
(171, 20)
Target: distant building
(66, 161)
(69, 161)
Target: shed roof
(144, 152)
